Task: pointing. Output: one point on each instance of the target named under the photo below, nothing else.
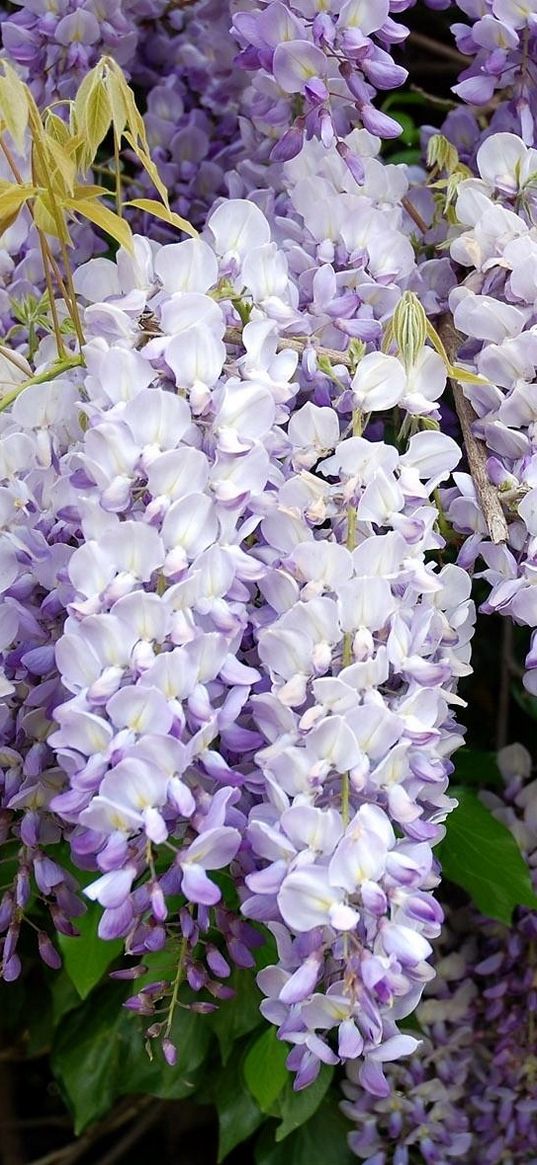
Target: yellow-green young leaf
(441, 153)
(90, 191)
(44, 218)
(101, 217)
(56, 128)
(78, 106)
(6, 221)
(149, 165)
(118, 106)
(135, 120)
(14, 105)
(97, 116)
(465, 377)
(151, 206)
(13, 196)
(60, 172)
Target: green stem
(119, 206)
(46, 252)
(57, 369)
(60, 346)
(176, 985)
(37, 128)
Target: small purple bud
(129, 972)
(187, 923)
(352, 162)
(154, 1030)
(22, 887)
(7, 906)
(140, 1004)
(196, 976)
(158, 903)
(289, 145)
(217, 963)
(170, 1052)
(240, 954)
(379, 123)
(12, 969)
(219, 991)
(48, 952)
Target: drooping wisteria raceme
(239, 536)
(316, 70)
(469, 1091)
(500, 36)
(187, 504)
(494, 307)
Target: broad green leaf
(86, 1058)
(238, 1016)
(298, 1107)
(99, 1054)
(87, 957)
(322, 1141)
(480, 854)
(14, 105)
(104, 218)
(151, 206)
(476, 767)
(238, 1114)
(264, 1069)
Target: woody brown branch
(476, 451)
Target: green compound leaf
(480, 854)
(87, 957)
(265, 1073)
(238, 1114)
(99, 1054)
(477, 768)
(298, 1107)
(322, 1141)
(238, 1016)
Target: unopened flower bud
(409, 324)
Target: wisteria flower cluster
(246, 489)
(469, 1092)
(495, 308)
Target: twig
(149, 329)
(441, 102)
(437, 48)
(476, 451)
(234, 336)
(76, 1149)
(414, 215)
(133, 1135)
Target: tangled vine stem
(234, 336)
(476, 451)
